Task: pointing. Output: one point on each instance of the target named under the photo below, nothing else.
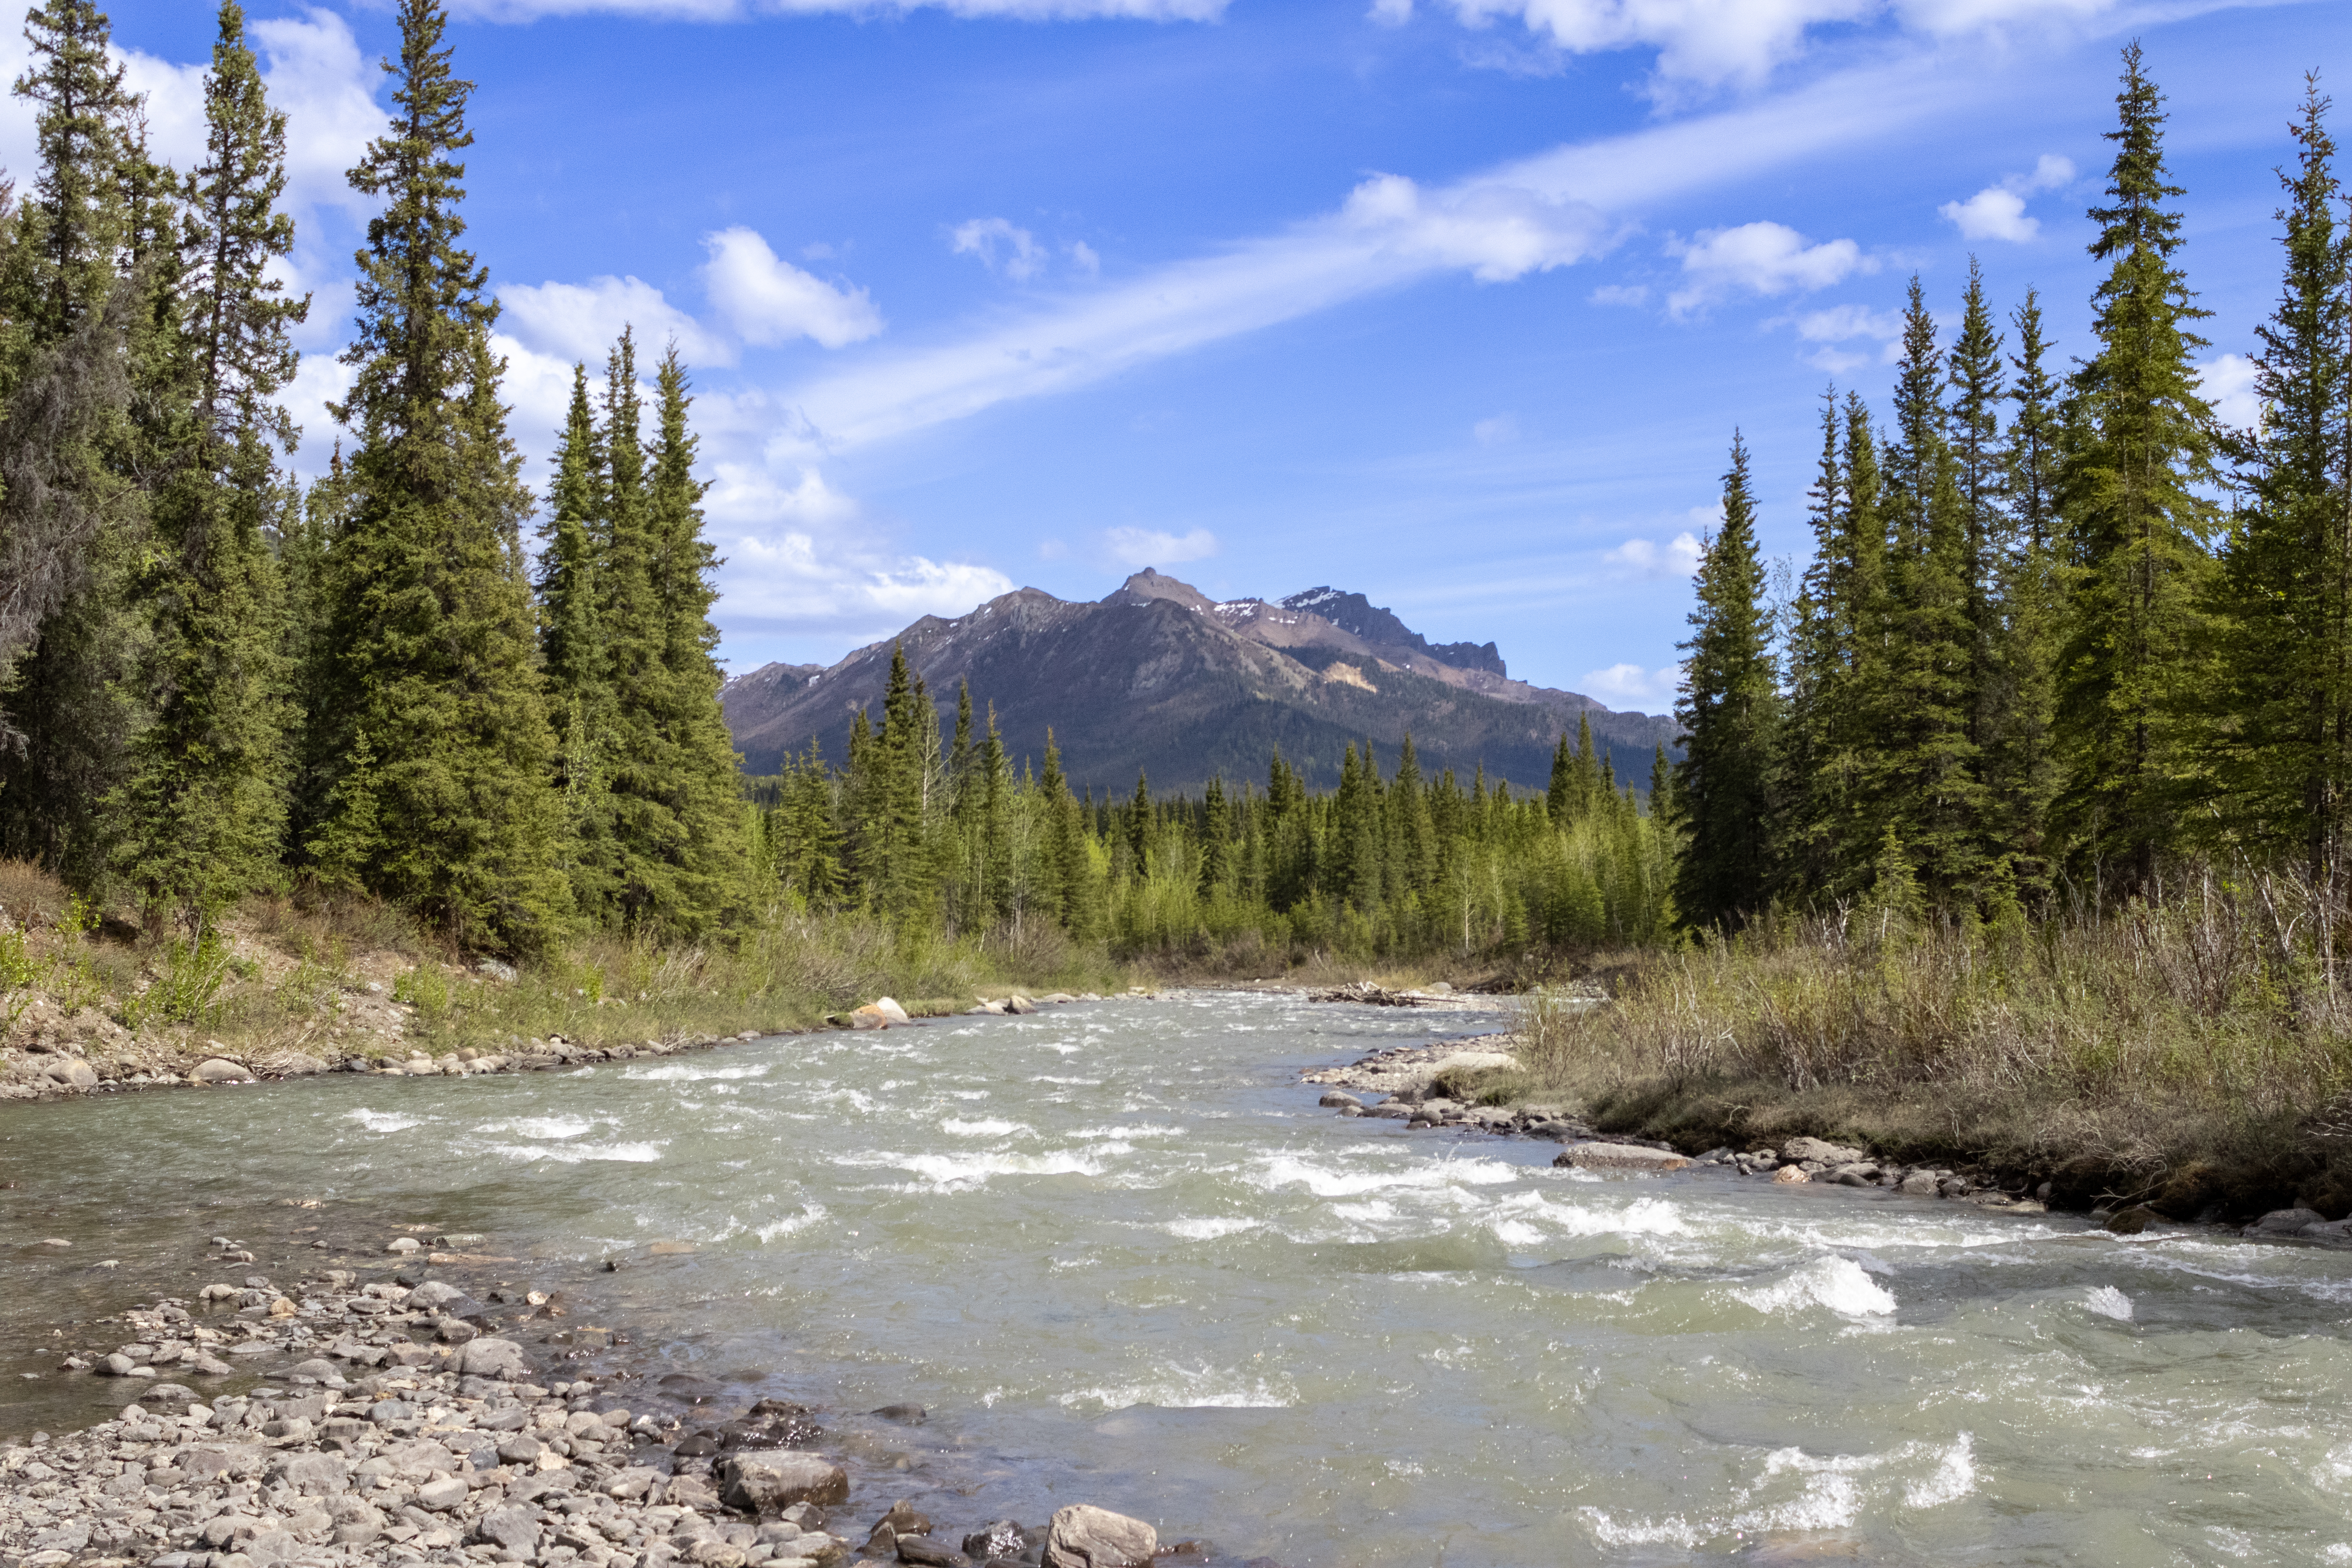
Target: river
(1123, 1258)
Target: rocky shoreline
(1399, 1084)
(335, 1422)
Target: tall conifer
(433, 627)
(1729, 711)
(2138, 456)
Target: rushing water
(1124, 1258)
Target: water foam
(575, 1153)
(1286, 1170)
(549, 1126)
(2107, 1302)
(694, 1072)
(383, 1120)
(962, 1172)
(1195, 1388)
(989, 1127)
(790, 1223)
(1209, 1229)
(1837, 1283)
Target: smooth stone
(2284, 1222)
(1084, 1536)
(71, 1072)
(1831, 1154)
(770, 1482)
(1788, 1176)
(220, 1070)
(493, 1358)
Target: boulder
(1855, 1174)
(220, 1070)
(492, 1357)
(1084, 1536)
(1339, 1097)
(1019, 1004)
(1631, 1157)
(2284, 1222)
(771, 1480)
(434, 1292)
(1813, 1148)
(1918, 1184)
(70, 1073)
(1788, 1174)
(924, 1552)
(2130, 1221)
(891, 1010)
(866, 1017)
(515, 1527)
(1002, 1539)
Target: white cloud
(1678, 557)
(1710, 43)
(317, 74)
(1634, 294)
(1084, 259)
(1496, 232)
(768, 300)
(744, 10)
(1767, 258)
(1843, 323)
(1630, 683)
(1499, 431)
(1998, 212)
(1021, 256)
(2228, 383)
(1578, 196)
(1152, 547)
(581, 321)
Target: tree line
(2059, 629)
(941, 830)
(216, 679)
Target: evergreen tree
(2284, 718)
(1979, 470)
(2019, 765)
(1729, 711)
(200, 819)
(572, 652)
(1926, 703)
(433, 625)
(2139, 455)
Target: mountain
(1157, 676)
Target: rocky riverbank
(337, 1420)
(1403, 1084)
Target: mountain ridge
(1157, 676)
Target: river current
(1123, 1258)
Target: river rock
(1632, 1157)
(1001, 1539)
(1084, 1536)
(2130, 1221)
(295, 1064)
(1019, 1004)
(492, 1357)
(70, 1073)
(891, 1010)
(220, 1070)
(772, 1480)
(434, 1293)
(1801, 1150)
(1918, 1184)
(1855, 1174)
(1789, 1175)
(2284, 1222)
(866, 1017)
(515, 1528)
(1339, 1097)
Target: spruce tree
(2136, 463)
(1975, 368)
(436, 643)
(2284, 724)
(200, 819)
(2019, 765)
(1729, 711)
(1928, 785)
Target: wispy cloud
(1152, 547)
(1677, 557)
(1540, 213)
(745, 10)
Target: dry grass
(2197, 1046)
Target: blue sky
(1454, 303)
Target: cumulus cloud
(1627, 684)
(1998, 212)
(2228, 386)
(1000, 247)
(317, 74)
(1677, 557)
(1496, 233)
(581, 321)
(744, 10)
(770, 301)
(1152, 547)
(1770, 258)
(1713, 43)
